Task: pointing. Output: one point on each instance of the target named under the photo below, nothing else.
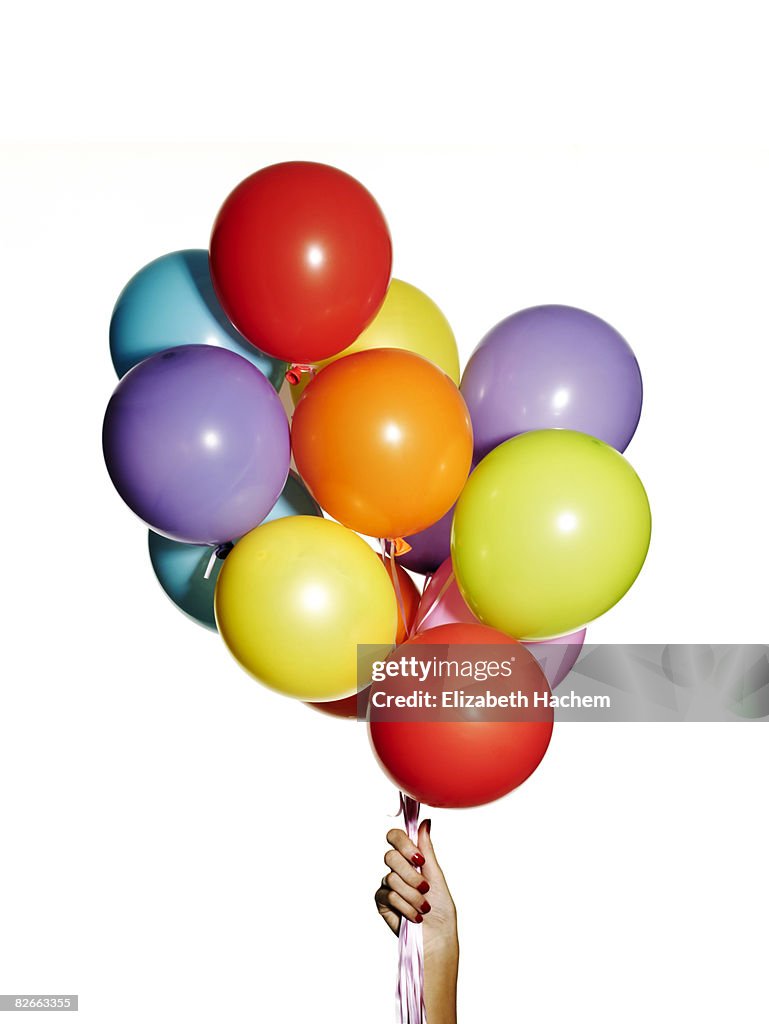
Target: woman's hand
(423, 898)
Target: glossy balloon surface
(197, 443)
(348, 707)
(172, 302)
(383, 440)
(442, 603)
(410, 320)
(550, 532)
(294, 599)
(181, 568)
(469, 761)
(300, 259)
(552, 367)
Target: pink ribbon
(409, 992)
(389, 559)
(423, 616)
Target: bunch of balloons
(548, 531)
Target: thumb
(431, 868)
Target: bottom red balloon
(469, 759)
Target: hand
(424, 899)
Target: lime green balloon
(550, 531)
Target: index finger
(398, 839)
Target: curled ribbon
(389, 560)
(410, 986)
(409, 992)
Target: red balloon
(466, 761)
(300, 260)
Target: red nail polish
(425, 908)
(417, 860)
(419, 919)
(428, 824)
(423, 887)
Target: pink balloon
(442, 603)
(450, 608)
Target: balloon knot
(220, 551)
(296, 371)
(398, 546)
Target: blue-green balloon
(181, 568)
(171, 302)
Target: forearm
(441, 966)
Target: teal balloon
(181, 568)
(172, 302)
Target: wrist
(441, 967)
(443, 947)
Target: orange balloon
(383, 441)
(347, 707)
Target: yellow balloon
(293, 600)
(550, 532)
(408, 319)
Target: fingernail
(425, 908)
(428, 824)
(419, 919)
(417, 860)
(423, 887)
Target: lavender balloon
(429, 547)
(552, 366)
(558, 656)
(196, 442)
(432, 546)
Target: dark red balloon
(345, 707)
(466, 761)
(300, 260)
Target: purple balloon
(557, 657)
(196, 442)
(430, 547)
(552, 366)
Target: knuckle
(414, 897)
(394, 835)
(391, 880)
(389, 857)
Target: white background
(177, 843)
